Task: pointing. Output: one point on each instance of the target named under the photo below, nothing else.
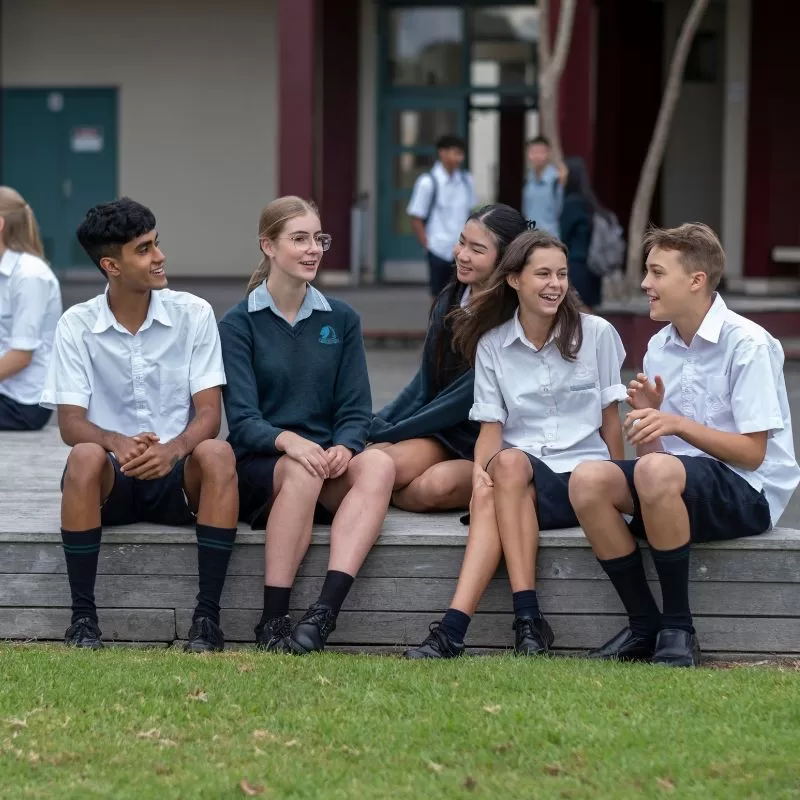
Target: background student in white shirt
(547, 385)
(136, 375)
(713, 434)
(440, 203)
(30, 305)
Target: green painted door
(409, 130)
(60, 152)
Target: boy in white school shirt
(136, 375)
(713, 437)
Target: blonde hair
(699, 248)
(20, 232)
(272, 222)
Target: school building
(206, 111)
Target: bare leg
(516, 516)
(87, 483)
(443, 487)
(660, 480)
(482, 554)
(359, 499)
(290, 521)
(209, 479)
(412, 457)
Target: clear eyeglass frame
(302, 241)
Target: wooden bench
(746, 593)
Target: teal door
(60, 152)
(409, 130)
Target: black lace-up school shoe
(205, 636)
(534, 636)
(313, 630)
(625, 646)
(437, 645)
(273, 637)
(676, 648)
(84, 632)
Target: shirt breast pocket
(173, 390)
(583, 378)
(717, 406)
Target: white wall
(367, 177)
(692, 176)
(198, 108)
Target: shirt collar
(260, 298)
(465, 298)
(439, 170)
(8, 262)
(711, 326)
(515, 332)
(156, 311)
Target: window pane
(401, 222)
(504, 46)
(422, 127)
(408, 167)
(425, 46)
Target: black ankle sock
(526, 603)
(455, 624)
(276, 602)
(214, 547)
(672, 567)
(81, 551)
(628, 578)
(334, 590)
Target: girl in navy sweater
(298, 407)
(427, 428)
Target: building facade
(206, 112)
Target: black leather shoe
(205, 636)
(534, 636)
(313, 630)
(676, 648)
(437, 645)
(84, 632)
(626, 646)
(273, 636)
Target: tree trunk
(551, 67)
(640, 211)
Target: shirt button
(545, 390)
(550, 437)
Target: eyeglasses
(302, 241)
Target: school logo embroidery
(327, 335)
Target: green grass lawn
(126, 723)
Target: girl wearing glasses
(426, 429)
(298, 406)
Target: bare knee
(593, 483)
(510, 469)
(292, 476)
(376, 470)
(215, 460)
(85, 464)
(658, 476)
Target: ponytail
(20, 232)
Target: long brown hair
(20, 232)
(498, 302)
(272, 222)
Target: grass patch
(157, 723)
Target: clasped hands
(144, 457)
(646, 422)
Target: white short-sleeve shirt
(730, 378)
(549, 407)
(455, 199)
(30, 305)
(129, 383)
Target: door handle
(66, 187)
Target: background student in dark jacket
(580, 205)
(298, 406)
(432, 439)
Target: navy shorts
(15, 416)
(162, 501)
(256, 491)
(721, 504)
(553, 509)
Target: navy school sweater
(310, 379)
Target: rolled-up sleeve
(488, 405)
(206, 369)
(610, 356)
(68, 381)
(30, 302)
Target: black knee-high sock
(276, 602)
(526, 603)
(334, 590)
(627, 576)
(81, 551)
(214, 547)
(672, 567)
(455, 624)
